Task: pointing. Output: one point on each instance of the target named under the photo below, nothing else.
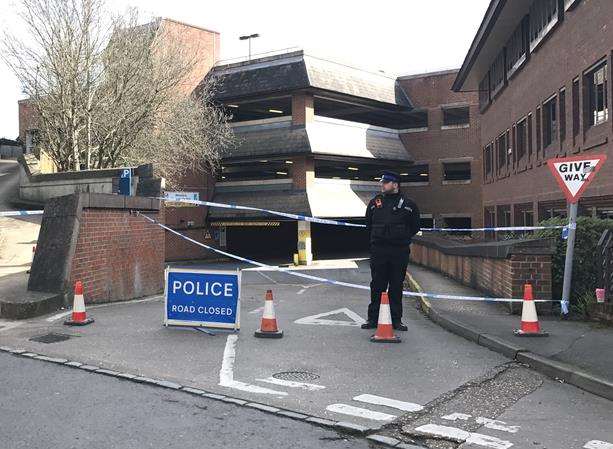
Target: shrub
(585, 265)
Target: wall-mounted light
(423, 174)
(353, 168)
(404, 174)
(281, 173)
(275, 111)
(289, 162)
(263, 160)
(233, 106)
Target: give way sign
(574, 174)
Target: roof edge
(428, 74)
(190, 25)
(488, 22)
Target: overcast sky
(398, 37)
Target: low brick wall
(97, 239)
(496, 268)
(602, 312)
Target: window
(357, 171)
(524, 215)
(576, 110)
(416, 173)
(456, 116)
(550, 122)
(529, 136)
(426, 221)
(497, 73)
(538, 132)
(487, 160)
(521, 138)
(562, 115)
(517, 48)
(417, 120)
(250, 171)
(596, 83)
(503, 215)
(458, 223)
(501, 149)
(456, 171)
(484, 92)
(543, 16)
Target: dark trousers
(388, 267)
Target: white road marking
(379, 400)
(456, 416)
(595, 444)
(226, 374)
(267, 277)
(356, 320)
(496, 425)
(359, 412)
(58, 316)
(292, 384)
(6, 325)
(462, 436)
(305, 288)
(258, 310)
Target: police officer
(391, 220)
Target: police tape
(20, 213)
(331, 281)
(355, 225)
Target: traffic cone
(385, 330)
(268, 326)
(530, 326)
(79, 316)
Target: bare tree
(108, 90)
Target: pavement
(326, 370)
(576, 352)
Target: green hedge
(585, 265)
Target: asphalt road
(9, 182)
(459, 385)
(45, 406)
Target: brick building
(314, 136)
(448, 188)
(542, 69)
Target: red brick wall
(303, 110)
(118, 256)
(504, 278)
(583, 38)
(430, 92)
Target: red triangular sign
(574, 174)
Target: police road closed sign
(202, 298)
(574, 174)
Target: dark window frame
(544, 15)
(517, 48)
(456, 116)
(597, 98)
(521, 138)
(458, 174)
(550, 122)
(562, 114)
(498, 74)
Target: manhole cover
(50, 338)
(296, 376)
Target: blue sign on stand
(125, 182)
(202, 298)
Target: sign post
(202, 298)
(573, 175)
(125, 182)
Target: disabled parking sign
(202, 298)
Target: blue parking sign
(203, 298)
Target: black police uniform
(392, 220)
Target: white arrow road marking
(357, 320)
(456, 416)
(258, 310)
(359, 412)
(496, 425)
(379, 400)
(292, 384)
(305, 288)
(595, 444)
(462, 436)
(226, 374)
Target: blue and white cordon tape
(20, 213)
(355, 225)
(325, 280)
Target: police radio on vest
(203, 288)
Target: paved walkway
(587, 346)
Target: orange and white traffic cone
(268, 326)
(79, 316)
(385, 330)
(530, 326)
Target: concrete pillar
(305, 253)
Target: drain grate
(50, 338)
(296, 376)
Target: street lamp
(248, 38)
